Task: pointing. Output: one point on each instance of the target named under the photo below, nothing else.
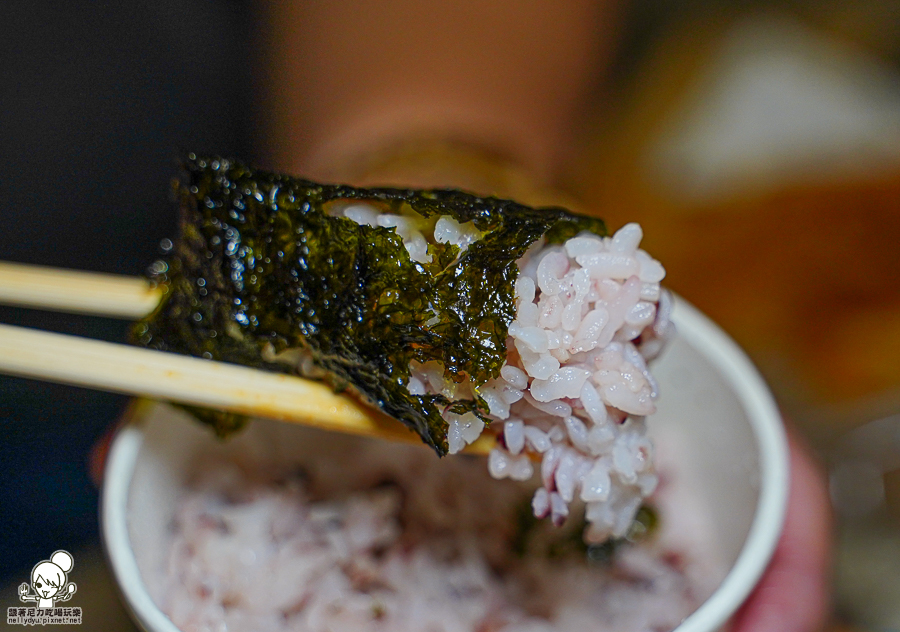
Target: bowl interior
(719, 442)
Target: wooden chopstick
(76, 292)
(134, 371)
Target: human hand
(794, 592)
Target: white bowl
(717, 427)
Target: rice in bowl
(387, 537)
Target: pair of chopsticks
(119, 368)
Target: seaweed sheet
(261, 267)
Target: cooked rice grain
(576, 386)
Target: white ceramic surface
(717, 428)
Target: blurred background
(759, 147)
(758, 143)
(97, 101)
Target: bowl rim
(772, 444)
(696, 329)
(119, 470)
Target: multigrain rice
(387, 537)
(575, 388)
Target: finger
(793, 594)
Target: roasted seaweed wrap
(446, 310)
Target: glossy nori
(261, 266)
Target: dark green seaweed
(534, 537)
(261, 265)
